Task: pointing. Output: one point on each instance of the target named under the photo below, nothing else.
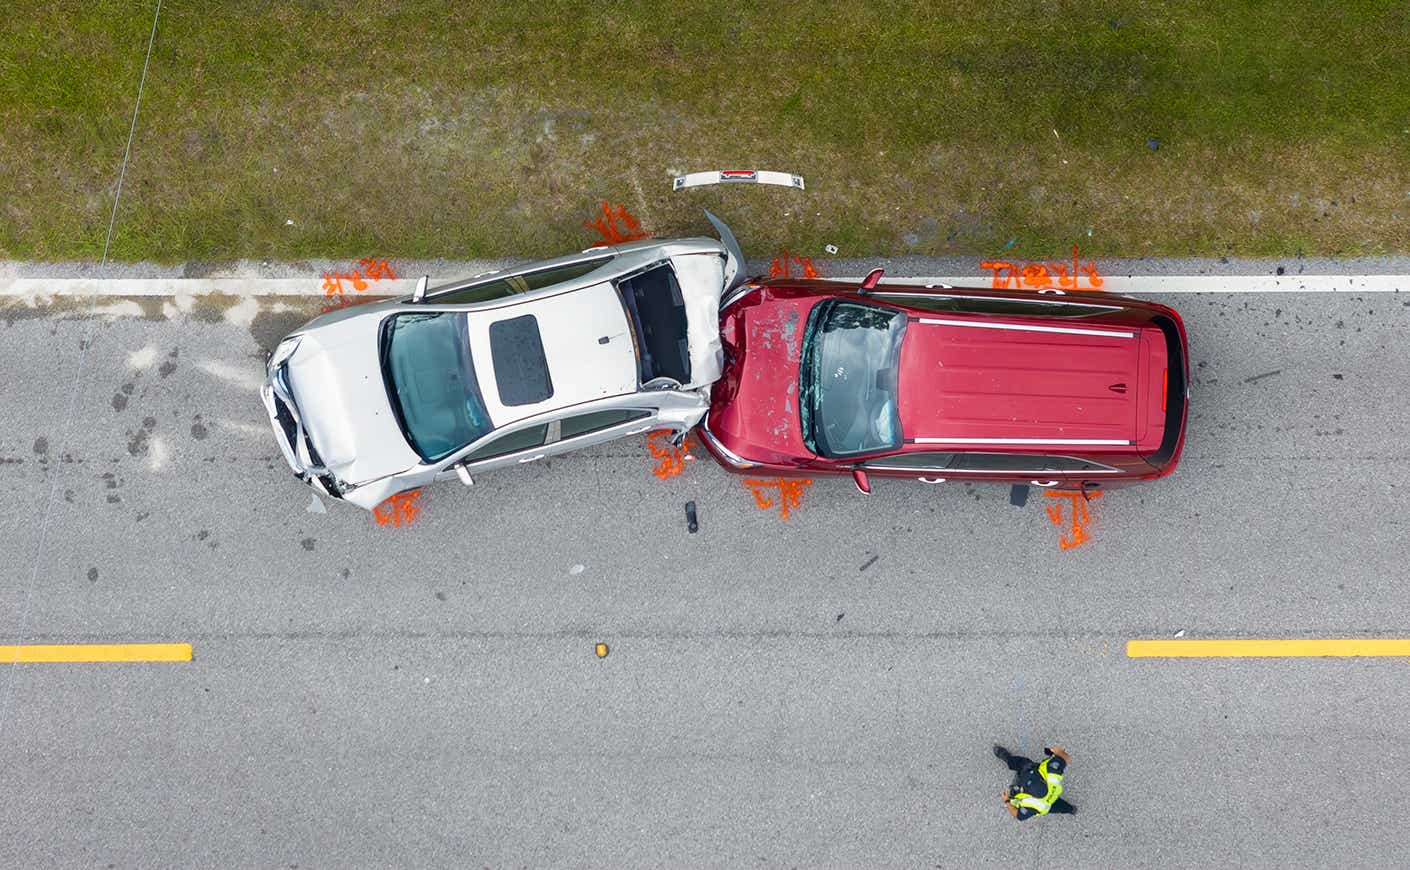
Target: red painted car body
(1078, 391)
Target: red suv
(1077, 391)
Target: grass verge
(467, 130)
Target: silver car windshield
(431, 382)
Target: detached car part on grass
(737, 176)
(1077, 392)
(503, 369)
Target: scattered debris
(1018, 494)
(1180, 633)
(577, 569)
(601, 650)
(316, 506)
(1253, 378)
(831, 249)
(690, 522)
(839, 617)
(867, 564)
(1153, 143)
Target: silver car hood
(702, 281)
(336, 379)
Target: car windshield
(847, 395)
(431, 382)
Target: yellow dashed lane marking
(95, 652)
(1251, 648)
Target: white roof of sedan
(587, 343)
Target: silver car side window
(526, 438)
(509, 285)
(596, 421)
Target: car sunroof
(520, 368)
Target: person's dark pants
(1020, 766)
(1017, 763)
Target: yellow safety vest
(1041, 805)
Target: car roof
(586, 339)
(977, 382)
(586, 343)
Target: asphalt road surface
(818, 690)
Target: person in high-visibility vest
(1037, 785)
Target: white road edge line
(1134, 285)
(1156, 285)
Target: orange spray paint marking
(333, 282)
(399, 510)
(790, 493)
(1077, 503)
(1036, 275)
(1043, 276)
(1004, 273)
(670, 459)
(783, 266)
(611, 234)
(376, 270)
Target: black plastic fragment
(1018, 494)
(690, 524)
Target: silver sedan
(502, 369)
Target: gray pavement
(820, 691)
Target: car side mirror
(859, 477)
(464, 474)
(421, 286)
